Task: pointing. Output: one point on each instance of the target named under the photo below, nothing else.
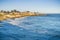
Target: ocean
(31, 28)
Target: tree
(27, 11)
(2, 11)
(8, 12)
(14, 10)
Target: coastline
(17, 14)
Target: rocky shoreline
(17, 14)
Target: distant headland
(17, 14)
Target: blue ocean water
(31, 28)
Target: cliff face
(6, 15)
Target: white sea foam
(15, 21)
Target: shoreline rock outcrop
(17, 14)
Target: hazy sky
(44, 6)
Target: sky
(43, 6)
